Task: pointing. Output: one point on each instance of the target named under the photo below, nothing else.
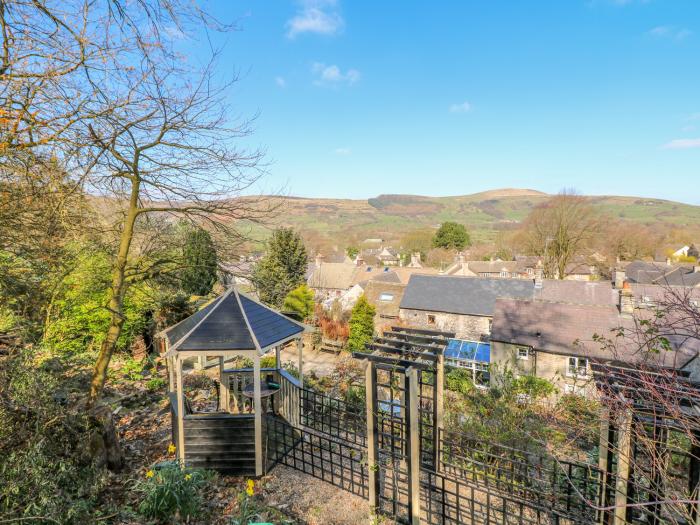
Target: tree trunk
(116, 299)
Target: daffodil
(171, 449)
(250, 487)
(188, 477)
(150, 473)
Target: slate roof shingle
(221, 325)
(462, 295)
(569, 329)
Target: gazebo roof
(232, 321)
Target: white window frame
(576, 373)
(526, 357)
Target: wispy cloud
(280, 81)
(464, 107)
(316, 16)
(670, 32)
(682, 144)
(342, 151)
(693, 116)
(332, 75)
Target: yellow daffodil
(150, 473)
(171, 449)
(250, 487)
(188, 477)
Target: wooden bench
(331, 346)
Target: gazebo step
(216, 451)
(216, 446)
(242, 423)
(216, 464)
(220, 434)
(221, 457)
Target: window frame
(526, 357)
(577, 367)
(386, 297)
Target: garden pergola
(231, 325)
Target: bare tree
(103, 88)
(560, 230)
(654, 409)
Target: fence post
(372, 451)
(604, 462)
(439, 410)
(624, 450)
(414, 446)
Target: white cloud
(332, 75)
(671, 32)
(316, 16)
(464, 107)
(682, 144)
(280, 81)
(342, 151)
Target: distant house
(388, 257)
(463, 305)
(642, 272)
(332, 280)
(386, 297)
(556, 341)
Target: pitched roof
(462, 295)
(332, 275)
(641, 272)
(577, 292)
(232, 321)
(569, 329)
(492, 266)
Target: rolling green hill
(389, 216)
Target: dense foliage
(199, 262)
(301, 302)
(361, 325)
(282, 269)
(451, 235)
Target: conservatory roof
(232, 321)
(468, 350)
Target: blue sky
(358, 98)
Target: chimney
(619, 277)
(626, 300)
(460, 257)
(668, 261)
(319, 260)
(359, 261)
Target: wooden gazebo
(232, 325)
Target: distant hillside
(389, 216)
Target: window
(386, 297)
(431, 319)
(578, 367)
(504, 274)
(530, 271)
(523, 353)
(490, 325)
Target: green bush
(168, 490)
(361, 325)
(459, 380)
(156, 383)
(534, 387)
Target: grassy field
(344, 221)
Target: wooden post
(200, 363)
(180, 412)
(278, 357)
(439, 410)
(372, 452)
(257, 407)
(413, 438)
(300, 348)
(170, 362)
(604, 449)
(624, 450)
(224, 395)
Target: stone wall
(471, 327)
(552, 367)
